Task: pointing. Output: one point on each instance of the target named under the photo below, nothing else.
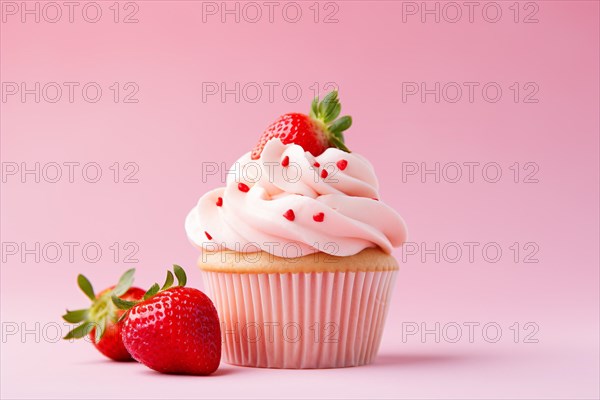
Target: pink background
(369, 52)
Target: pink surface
(544, 219)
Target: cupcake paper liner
(301, 320)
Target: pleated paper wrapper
(301, 320)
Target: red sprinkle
(243, 187)
(207, 235)
(219, 202)
(316, 165)
(324, 174)
(319, 217)
(375, 198)
(285, 162)
(342, 164)
(289, 214)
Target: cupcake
(296, 248)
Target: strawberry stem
(327, 112)
(154, 289)
(100, 311)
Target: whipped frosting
(337, 212)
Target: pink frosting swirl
(336, 212)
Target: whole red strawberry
(174, 330)
(101, 320)
(315, 132)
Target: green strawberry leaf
(86, 287)
(168, 282)
(339, 144)
(328, 103)
(333, 113)
(340, 125)
(314, 108)
(122, 304)
(152, 291)
(125, 282)
(100, 329)
(80, 331)
(76, 316)
(180, 274)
